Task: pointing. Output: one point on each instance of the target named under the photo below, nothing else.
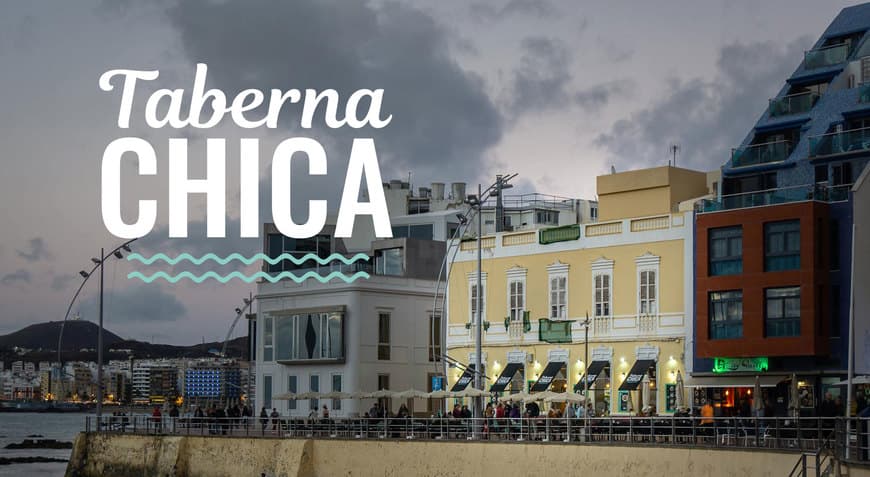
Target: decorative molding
(602, 264)
(602, 353)
(557, 267)
(516, 356)
(517, 272)
(558, 354)
(648, 260)
(647, 352)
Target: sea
(16, 427)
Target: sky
(556, 91)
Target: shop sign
(732, 365)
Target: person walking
(275, 419)
(264, 419)
(156, 416)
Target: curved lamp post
(98, 263)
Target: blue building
(212, 382)
(773, 250)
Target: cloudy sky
(557, 91)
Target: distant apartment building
(774, 261)
(163, 384)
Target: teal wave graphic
(247, 278)
(247, 260)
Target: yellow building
(630, 273)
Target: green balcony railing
(554, 331)
(559, 234)
(776, 196)
(755, 154)
(853, 140)
(864, 93)
(527, 322)
(826, 56)
(792, 104)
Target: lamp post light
(98, 263)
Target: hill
(43, 336)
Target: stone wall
(129, 455)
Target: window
(336, 388)
(559, 297)
(291, 388)
(546, 217)
(421, 231)
(782, 315)
(473, 294)
(841, 174)
(821, 173)
(602, 294)
(309, 336)
(835, 311)
(268, 340)
(726, 314)
(517, 299)
(267, 391)
(647, 292)
(593, 213)
(277, 244)
(435, 337)
(313, 386)
(782, 245)
(389, 262)
(384, 336)
(726, 251)
(834, 244)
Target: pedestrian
(325, 412)
(264, 419)
(275, 417)
(156, 416)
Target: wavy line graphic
(247, 260)
(246, 278)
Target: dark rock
(28, 460)
(40, 444)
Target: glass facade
(726, 314)
(419, 231)
(309, 336)
(726, 251)
(278, 244)
(389, 262)
(782, 316)
(782, 246)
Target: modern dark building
(773, 250)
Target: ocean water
(15, 427)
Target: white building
(362, 336)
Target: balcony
(559, 234)
(864, 93)
(776, 196)
(826, 56)
(792, 104)
(550, 331)
(765, 153)
(842, 142)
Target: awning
(731, 381)
(591, 375)
(505, 377)
(636, 375)
(464, 380)
(550, 372)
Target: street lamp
(98, 263)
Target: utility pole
(100, 344)
(478, 329)
(586, 380)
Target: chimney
(458, 189)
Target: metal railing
(776, 433)
(826, 56)
(792, 104)
(777, 196)
(764, 153)
(840, 142)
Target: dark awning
(550, 372)
(636, 375)
(505, 377)
(591, 375)
(464, 380)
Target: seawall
(136, 455)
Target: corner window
(782, 246)
(782, 316)
(726, 314)
(309, 336)
(726, 251)
(389, 262)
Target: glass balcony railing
(792, 104)
(864, 93)
(777, 196)
(853, 140)
(826, 56)
(755, 154)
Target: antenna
(674, 149)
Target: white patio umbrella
(285, 397)
(336, 395)
(381, 394)
(757, 401)
(794, 397)
(471, 393)
(644, 394)
(442, 394)
(566, 397)
(679, 401)
(517, 397)
(542, 396)
(412, 394)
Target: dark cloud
(707, 118)
(18, 276)
(443, 121)
(137, 304)
(60, 282)
(34, 251)
(536, 8)
(543, 80)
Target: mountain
(76, 335)
(41, 339)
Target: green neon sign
(732, 365)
